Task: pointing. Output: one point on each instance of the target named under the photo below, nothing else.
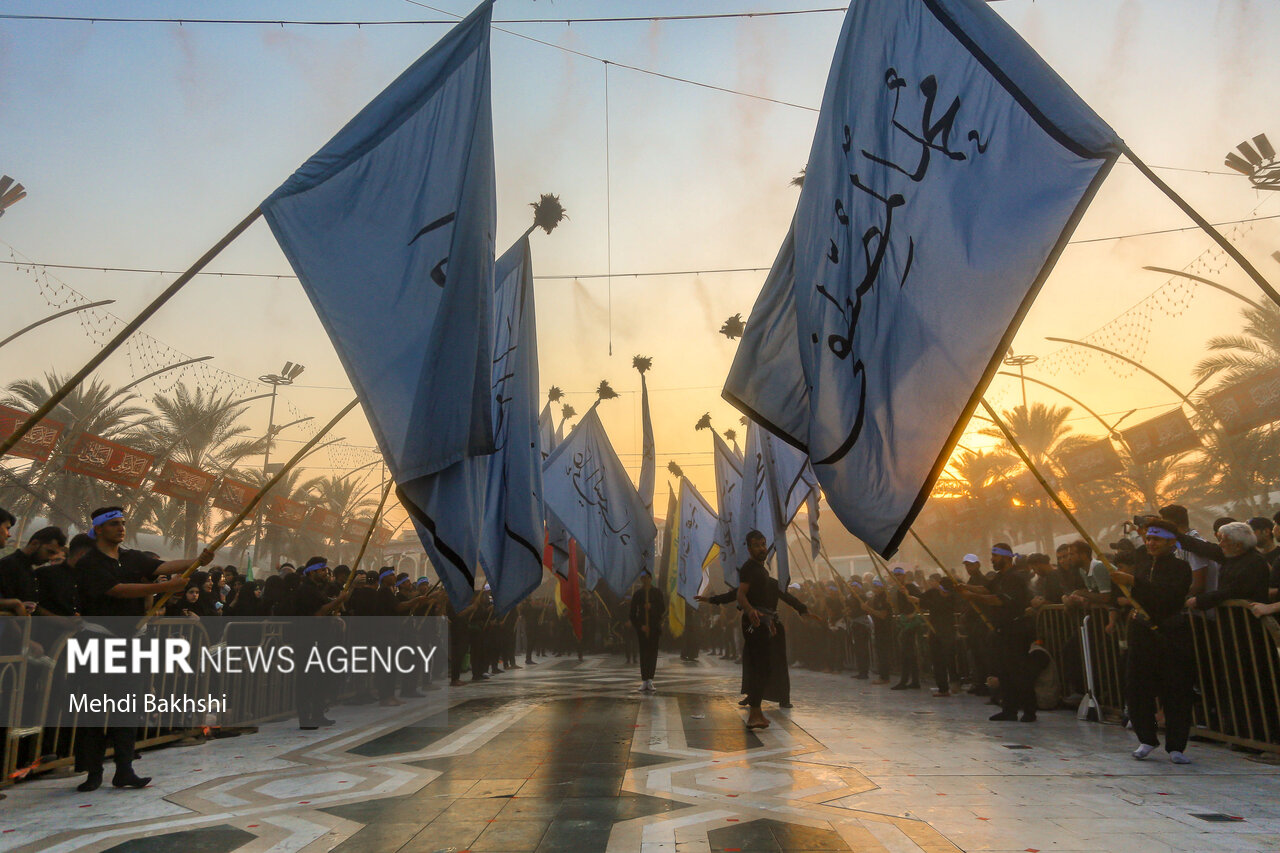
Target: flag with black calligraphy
(390, 228)
(756, 504)
(511, 542)
(949, 167)
(589, 492)
(698, 547)
(728, 469)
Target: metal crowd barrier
(261, 697)
(1237, 660)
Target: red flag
(546, 549)
(569, 591)
(36, 444)
(108, 460)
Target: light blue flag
(949, 167)
(756, 502)
(728, 469)
(589, 492)
(790, 476)
(390, 228)
(546, 431)
(511, 544)
(698, 524)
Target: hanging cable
(608, 206)
(573, 276)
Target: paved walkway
(567, 756)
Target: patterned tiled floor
(568, 756)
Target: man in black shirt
(940, 601)
(758, 595)
(1160, 660)
(17, 571)
(311, 604)
(648, 609)
(19, 591)
(1264, 529)
(1009, 595)
(117, 581)
(56, 582)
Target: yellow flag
(675, 604)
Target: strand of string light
(578, 276)
(1129, 331)
(145, 353)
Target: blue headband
(1001, 552)
(403, 581)
(1160, 533)
(317, 567)
(109, 515)
(423, 580)
(382, 574)
(898, 570)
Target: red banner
(184, 483)
(1092, 461)
(285, 512)
(107, 460)
(1249, 403)
(1163, 435)
(354, 530)
(380, 537)
(322, 521)
(233, 495)
(38, 443)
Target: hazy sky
(141, 144)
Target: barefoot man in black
(758, 595)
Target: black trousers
(1013, 668)
(757, 663)
(648, 653)
(909, 657)
(979, 637)
(942, 649)
(860, 635)
(884, 648)
(1160, 666)
(91, 747)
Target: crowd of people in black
(975, 629)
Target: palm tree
(202, 431)
(983, 506)
(1044, 435)
(274, 541)
(92, 407)
(345, 496)
(1255, 349)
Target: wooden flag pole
(368, 534)
(1084, 534)
(954, 580)
(253, 504)
(1204, 226)
(124, 334)
(915, 608)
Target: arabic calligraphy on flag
(948, 169)
(588, 490)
